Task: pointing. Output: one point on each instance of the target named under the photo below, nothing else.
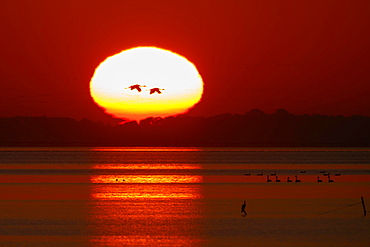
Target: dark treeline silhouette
(254, 128)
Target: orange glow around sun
(146, 82)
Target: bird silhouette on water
(244, 205)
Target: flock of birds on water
(277, 180)
(151, 91)
(296, 180)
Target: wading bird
(288, 180)
(296, 179)
(319, 180)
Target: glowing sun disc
(146, 82)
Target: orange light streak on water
(125, 185)
(147, 179)
(145, 186)
(146, 166)
(146, 149)
(145, 209)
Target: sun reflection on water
(124, 167)
(133, 207)
(146, 149)
(145, 186)
(147, 179)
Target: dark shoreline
(253, 129)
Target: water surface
(184, 196)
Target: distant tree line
(254, 128)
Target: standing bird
(276, 179)
(155, 90)
(243, 208)
(319, 180)
(288, 180)
(296, 179)
(136, 86)
(268, 179)
(329, 180)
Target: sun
(146, 82)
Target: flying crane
(155, 90)
(136, 86)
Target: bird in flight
(155, 90)
(136, 86)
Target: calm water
(183, 197)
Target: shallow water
(183, 197)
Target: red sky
(307, 56)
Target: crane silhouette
(155, 90)
(136, 86)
